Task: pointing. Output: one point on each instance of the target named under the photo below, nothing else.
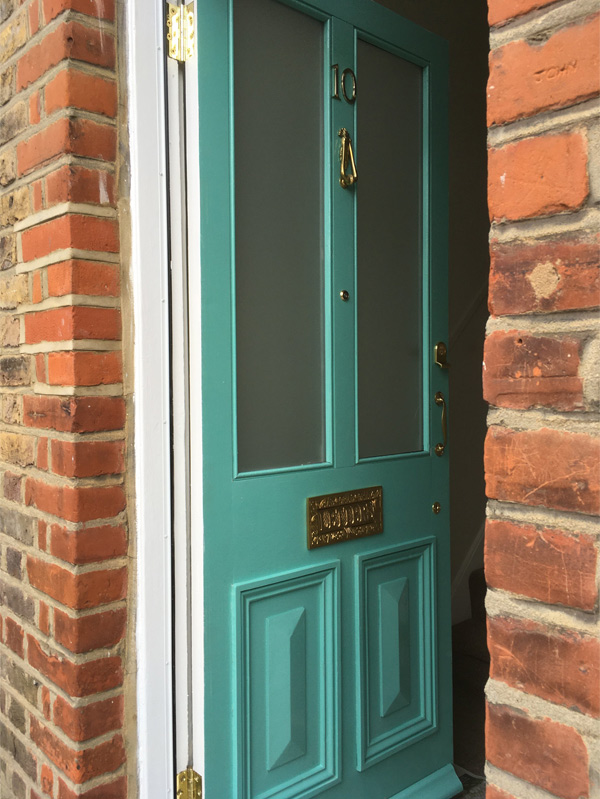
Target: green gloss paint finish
(328, 670)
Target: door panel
(396, 678)
(287, 713)
(327, 669)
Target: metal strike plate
(333, 518)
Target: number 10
(336, 84)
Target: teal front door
(323, 249)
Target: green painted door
(323, 246)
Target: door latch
(440, 353)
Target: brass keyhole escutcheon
(345, 295)
(436, 508)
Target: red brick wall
(542, 379)
(63, 534)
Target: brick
(15, 371)
(89, 545)
(12, 37)
(78, 591)
(542, 752)
(41, 373)
(74, 414)
(89, 721)
(505, 10)
(114, 790)
(44, 619)
(42, 454)
(525, 371)
(12, 486)
(17, 601)
(13, 291)
(550, 275)
(561, 667)
(14, 206)
(543, 467)
(13, 122)
(34, 17)
(86, 633)
(72, 230)
(74, 89)
(76, 679)
(18, 751)
(10, 331)
(8, 167)
(19, 789)
(6, 9)
(42, 535)
(35, 108)
(87, 458)
(46, 703)
(17, 449)
(75, 503)
(92, 8)
(550, 565)
(527, 78)
(37, 199)
(67, 136)
(13, 562)
(18, 679)
(79, 766)
(8, 251)
(47, 780)
(82, 368)
(7, 85)
(10, 408)
(16, 714)
(73, 323)
(14, 636)
(70, 40)
(17, 525)
(79, 185)
(36, 287)
(537, 177)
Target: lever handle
(346, 157)
(439, 400)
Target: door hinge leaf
(189, 785)
(181, 33)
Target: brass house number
(347, 76)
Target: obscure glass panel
(389, 253)
(278, 60)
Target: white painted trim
(145, 82)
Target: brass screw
(436, 507)
(345, 295)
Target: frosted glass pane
(389, 256)
(278, 60)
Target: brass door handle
(439, 400)
(346, 157)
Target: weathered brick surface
(59, 128)
(544, 467)
(529, 77)
(550, 755)
(538, 176)
(550, 565)
(542, 455)
(525, 371)
(561, 667)
(560, 274)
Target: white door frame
(154, 435)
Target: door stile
(343, 115)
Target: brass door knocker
(346, 158)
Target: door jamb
(149, 259)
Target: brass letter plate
(342, 517)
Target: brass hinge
(189, 785)
(181, 34)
